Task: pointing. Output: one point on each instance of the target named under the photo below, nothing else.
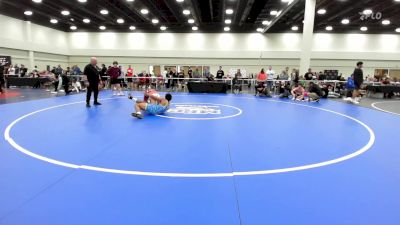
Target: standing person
(2, 81)
(114, 72)
(294, 77)
(270, 78)
(93, 77)
(309, 75)
(220, 73)
(129, 74)
(190, 72)
(358, 77)
(103, 75)
(23, 71)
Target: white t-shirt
(11, 71)
(271, 74)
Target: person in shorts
(156, 106)
(358, 81)
(115, 72)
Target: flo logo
(370, 15)
(201, 111)
(195, 109)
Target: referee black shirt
(92, 74)
(358, 75)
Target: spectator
(23, 71)
(11, 70)
(190, 72)
(129, 74)
(284, 75)
(114, 73)
(261, 79)
(236, 82)
(103, 75)
(220, 73)
(284, 90)
(2, 81)
(270, 78)
(309, 75)
(294, 77)
(196, 73)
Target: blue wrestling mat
(210, 160)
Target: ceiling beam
(287, 9)
(246, 12)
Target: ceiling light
(104, 11)
(72, 19)
(186, 12)
(345, 21)
(228, 21)
(37, 1)
(260, 30)
(86, 20)
(130, 0)
(53, 21)
(227, 28)
(266, 22)
(28, 13)
(144, 11)
(273, 13)
(154, 21)
(82, 1)
(328, 28)
(190, 20)
(295, 28)
(364, 28)
(73, 27)
(367, 12)
(279, 13)
(179, 0)
(102, 27)
(195, 28)
(397, 0)
(385, 22)
(321, 11)
(132, 28)
(120, 20)
(65, 12)
(163, 28)
(229, 11)
(398, 30)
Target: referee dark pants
(93, 87)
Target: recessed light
(163, 28)
(228, 21)
(102, 27)
(266, 22)
(53, 21)
(367, 12)
(328, 28)
(144, 11)
(385, 22)
(73, 27)
(273, 13)
(186, 12)
(227, 28)
(82, 1)
(104, 11)
(195, 28)
(28, 13)
(72, 19)
(130, 0)
(65, 12)
(86, 20)
(190, 20)
(260, 29)
(295, 28)
(398, 30)
(321, 11)
(229, 11)
(132, 28)
(364, 28)
(154, 21)
(37, 1)
(120, 20)
(179, 0)
(345, 21)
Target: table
(383, 88)
(207, 87)
(24, 81)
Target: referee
(93, 77)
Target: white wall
(252, 51)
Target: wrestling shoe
(97, 103)
(139, 116)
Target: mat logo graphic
(195, 109)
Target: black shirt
(308, 75)
(358, 75)
(220, 74)
(92, 73)
(316, 89)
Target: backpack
(350, 83)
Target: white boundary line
(380, 109)
(187, 175)
(205, 118)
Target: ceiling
(208, 15)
